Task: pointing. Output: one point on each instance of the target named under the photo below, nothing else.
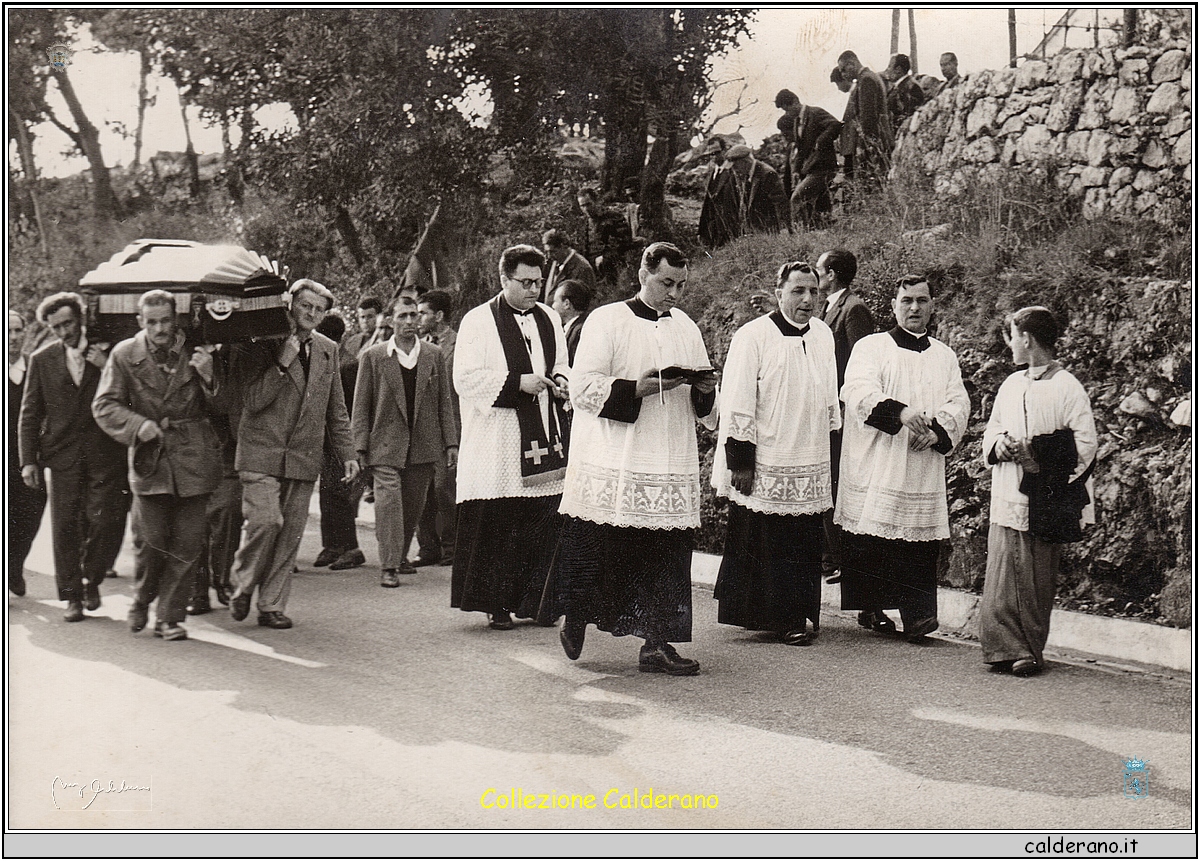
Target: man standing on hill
(812, 133)
(868, 104)
(904, 94)
(906, 409)
(87, 467)
(949, 64)
(566, 264)
(745, 195)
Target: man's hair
(554, 238)
(657, 252)
(1040, 323)
(313, 287)
(836, 75)
(953, 56)
(577, 293)
(439, 300)
(332, 327)
(786, 270)
(155, 297)
(55, 302)
(843, 263)
(786, 98)
(372, 303)
(912, 279)
(517, 255)
(901, 63)
(847, 56)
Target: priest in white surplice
(906, 409)
(779, 405)
(640, 380)
(510, 368)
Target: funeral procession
(611, 419)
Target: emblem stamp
(60, 56)
(1137, 778)
(221, 307)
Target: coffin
(223, 293)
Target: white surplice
(779, 392)
(489, 455)
(885, 488)
(644, 473)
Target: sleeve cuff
(621, 405)
(943, 444)
(886, 417)
(702, 402)
(739, 454)
(510, 393)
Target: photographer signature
(91, 791)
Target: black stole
(543, 450)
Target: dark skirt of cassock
(770, 577)
(624, 580)
(1018, 595)
(888, 574)
(505, 550)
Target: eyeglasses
(528, 283)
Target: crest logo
(1137, 778)
(221, 307)
(60, 56)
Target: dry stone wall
(1113, 125)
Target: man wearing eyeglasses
(906, 409)
(510, 368)
(291, 396)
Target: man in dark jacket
(745, 195)
(904, 93)
(868, 106)
(812, 135)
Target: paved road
(387, 709)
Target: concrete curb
(958, 611)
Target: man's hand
(706, 384)
(289, 351)
(351, 471)
(452, 457)
(148, 431)
(742, 480)
(96, 355)
(649, 384)
(535, 384)
(922, 442)
(202, 361)
(1005, 448)
(561, 388)
(32, 476)
(916, 422)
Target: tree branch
(65, 129)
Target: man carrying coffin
(640, 380)
(779, 405)
(510, 374)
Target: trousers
(276, 511)
(87, 521)
(399, 499)
(171, 533)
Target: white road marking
(117, 607)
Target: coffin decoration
(223, 293)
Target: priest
(632, 496)
(510, 369)
(906, 409)
(779, 405)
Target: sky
(793, 48)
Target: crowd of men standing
(573, 469)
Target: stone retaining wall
(1111, 124)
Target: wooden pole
(912, 40)
(1012, 38)
(895, 32)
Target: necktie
(304, 345)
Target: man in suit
(566, 264)
(850, 319)
(153, 398)
(403, 424)
(904, 93)
(949, 64)
(744, 195)
(57, 430)
(573, 301)
(25, 504)
(812, 135)
(873, 126)
(437, 532)
(291, 395)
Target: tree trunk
(105, 201)
(233, 169)
(349, 233)
(1012, 38)
(653, 220)
(143, 101)
(895, 32)
(28, 190)
(912, 39)
(626, 129)
(1131, 17)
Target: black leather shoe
(91, 592)
(274, 619)
(866, 619)
(326, 556)
(798, 637)
(198, 606)
(423, 561)
(916, 633)
(501, 621)
(571, 636)
(16, 583)
(222, 593)
(138, 617)
(1025, 667)
(664, 659)
(389, 579)
(170, 631)
(349, 559)
(239, 606)
(74, 612)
